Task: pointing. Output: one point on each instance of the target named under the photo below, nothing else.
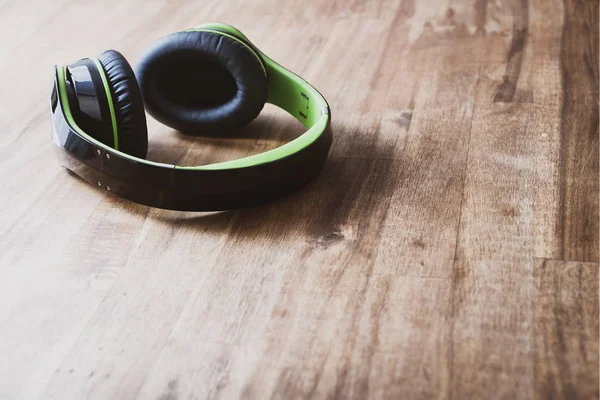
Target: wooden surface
(448, 250)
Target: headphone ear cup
(202, 82)
(127, 102)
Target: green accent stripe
(111, 107)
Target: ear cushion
(202, 82)
(127, 101)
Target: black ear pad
(202, 82)
(127, 101)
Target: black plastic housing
(167, 187)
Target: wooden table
(448, 250)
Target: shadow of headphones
(206, 80)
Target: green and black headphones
(205, 80)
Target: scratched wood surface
(449, 249)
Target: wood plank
(493, 271)
(419, 237)
(119, 329)
(565, 329)
(579, 192)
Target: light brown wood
(449, 249)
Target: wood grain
(565, 329)
(449, 249)
(579, 133)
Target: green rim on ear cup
(111, 106)
(128, 109)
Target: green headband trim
(296, 96)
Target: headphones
(207, 80)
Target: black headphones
(206, 80)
